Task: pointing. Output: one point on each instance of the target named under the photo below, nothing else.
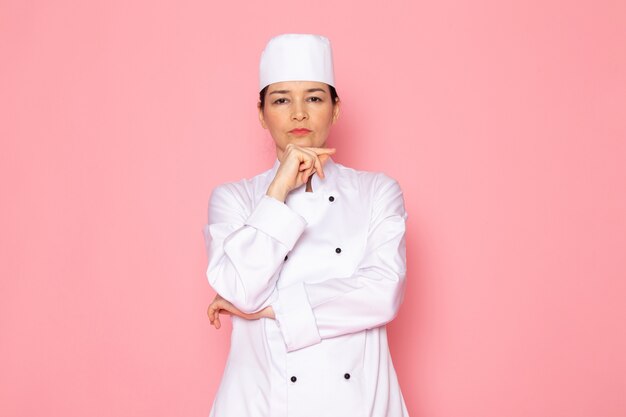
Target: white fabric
(331, 308)
(296, 57)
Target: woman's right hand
(297, 165)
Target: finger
(306, 164)
(302, 177)
(304, 174)
(317, 164)
(322, 151)
(319, 169)
(214, 310)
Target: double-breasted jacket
(332, 264)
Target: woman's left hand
(220, 305)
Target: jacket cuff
(295, 318)
(277, 220)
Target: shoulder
(374, 183)
(383, 192)
(238, 196)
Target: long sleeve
(245, 250)
(309, 312)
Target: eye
(315, 99)
(281, 100)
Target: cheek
(325, 117)
(272, 120)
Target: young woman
(308, 258)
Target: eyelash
(277, 101)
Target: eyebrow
(310, 90)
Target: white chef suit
(332, 264)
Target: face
(293, 105)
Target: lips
(300, 131)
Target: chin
(302, 141)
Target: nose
(299, 113)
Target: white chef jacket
(332, 264)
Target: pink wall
(504, 123)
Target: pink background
(505, 124)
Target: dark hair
(333, 95)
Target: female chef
(308, 258)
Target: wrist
(277, 192)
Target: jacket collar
(317, 183)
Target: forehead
(297, 86)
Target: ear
(261, 118)
(336, 109)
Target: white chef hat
(296, 57)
